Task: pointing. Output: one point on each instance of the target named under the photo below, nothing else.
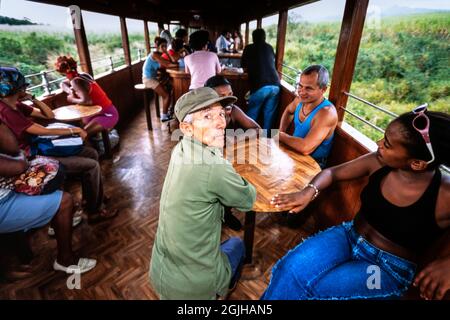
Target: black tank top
(413, 227)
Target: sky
(57, 16)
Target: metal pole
(45, 83)
(111, 64)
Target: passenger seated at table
(238, 44)
(176, 53)
(15, 113)
(18, 117)
(83, 89)
(315, 118)
(182, 34)
(236, 118)
(201, 64)
(21, 212)
(188, 261)
(166, 35)
(404, 209)
(223, 43)
(151, 79)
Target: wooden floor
(122, 247)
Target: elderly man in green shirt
(188, 261)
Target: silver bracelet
(316, 191)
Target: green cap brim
(224, 101)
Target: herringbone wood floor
(122, 247)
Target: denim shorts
(339, 264)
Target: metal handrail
(287, 76)
(363, 120)
(39, 73)
(46, 82)
(444, 168)
(298, 71)
(392, 114)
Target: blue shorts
(19, 211)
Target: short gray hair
(189, 118)
(322, 72)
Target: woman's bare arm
(163, 62)
(40, 109)
(8, 142)
(65, 86)
(357, 168)
(244, 121)
(38, 130)
(80, 92)
(9, 146)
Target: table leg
(158, 114)
(249, 233)
(147, 111)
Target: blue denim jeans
(339, 264)
(265, 99)
(235, 250)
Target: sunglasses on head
(423, 127)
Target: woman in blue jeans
(404, 209)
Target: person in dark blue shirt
(258, 59)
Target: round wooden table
(75, 112)
(272, 168)
(232, 55)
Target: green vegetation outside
(402, 64)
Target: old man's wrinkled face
(208, 125)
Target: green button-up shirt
(186, 261)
